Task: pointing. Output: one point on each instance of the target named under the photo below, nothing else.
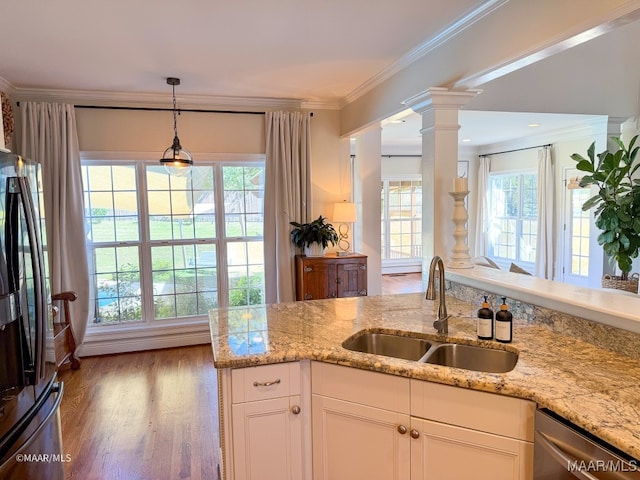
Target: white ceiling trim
(586, 128)
(7, 87)
(88, 97)
(421, 50)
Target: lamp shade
(344, 212)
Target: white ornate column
(439, 109)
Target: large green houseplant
(319, 232)
(617, 203)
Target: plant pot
(315, 250)
(613, 281)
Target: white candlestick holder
(460, 257)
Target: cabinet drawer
(487, 412)
(265, 381)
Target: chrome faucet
(441, 324)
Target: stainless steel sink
(397, 346)
(470, 357)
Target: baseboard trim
(145, 341)
(391, 269)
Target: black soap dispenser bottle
(485, 321)
(504, 323)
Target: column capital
(440, 97)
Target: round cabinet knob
(414, 433)
(295, 409)
(402, 429)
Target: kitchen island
(593, 387)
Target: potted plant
(617, 204)
(313, 237)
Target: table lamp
(344, 213)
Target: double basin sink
(469, 357)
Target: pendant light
(176, 160)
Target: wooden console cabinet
(331, 276)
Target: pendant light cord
(175, 121)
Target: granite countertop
(594, 388)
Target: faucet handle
(442, 325)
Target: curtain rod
(515, 150)
(162, 109)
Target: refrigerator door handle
(38, 274)
(57, 387)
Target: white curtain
(287, 197)
(482, 212)
(49, 136)
(544, 240)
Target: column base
(459, 264)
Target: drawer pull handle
(295, 409)
(266, 384)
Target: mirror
(565, 95)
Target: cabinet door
(319, 280)
(357, 442)
(448, 452)
(351, 278)
(267, 440)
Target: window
(577, 224)
(165, 247)
(579, 233)
(401, 219)
(513, 217)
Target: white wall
(401, 165)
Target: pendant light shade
(176, 160)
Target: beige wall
(148, 131)
(203, 133)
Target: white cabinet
(360, 425)
(267, 439)
(470, 434)
(268, 418)
(356, 442)
(304, 420)
(447, 452)
(369, 425)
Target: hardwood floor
(142, 416)
(401, 283)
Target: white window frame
(399, 265)
(567, 232)
(505, 262)
(146, 285)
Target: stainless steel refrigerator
(30, 395)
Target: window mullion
(146, 277)
(221, 249)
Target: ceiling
(314, 52)
(401, 135)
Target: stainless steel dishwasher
(565, 451)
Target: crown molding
(586, 128)
(421, 50)
(7, 87)
(107, 98)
